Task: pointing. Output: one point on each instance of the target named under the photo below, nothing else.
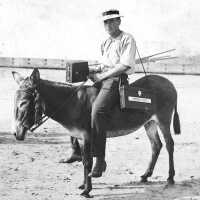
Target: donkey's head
(26, 103)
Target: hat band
(106, 17)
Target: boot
(99, 168)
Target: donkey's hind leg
(165, 129)
(156, 145)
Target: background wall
(72, 29)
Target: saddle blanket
(136, 98)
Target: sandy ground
(30, 170)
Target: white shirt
(119, 50)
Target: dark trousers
(106, 100)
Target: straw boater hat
(110, 14)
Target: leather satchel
(136, 98)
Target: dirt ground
(30, 170)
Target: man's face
(112, 26)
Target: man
(118, 58)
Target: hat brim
(107, 17)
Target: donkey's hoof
(81, 187)
(143, 179)
(170, 181)
(86, 194)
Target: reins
(45, 117)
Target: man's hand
(89, 82)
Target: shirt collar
(118, 37)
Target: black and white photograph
(99, 100)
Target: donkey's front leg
(87, 163)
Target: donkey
(70, 105)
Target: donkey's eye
(23, 103)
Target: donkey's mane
(57, 85)
(55, 89)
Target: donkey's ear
(35, 76)
(18, 77)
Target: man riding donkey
(118, 60)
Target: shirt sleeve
(128, 52)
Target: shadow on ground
(34, 138)
(187, 189)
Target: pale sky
(72, 29)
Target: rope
(141, 61)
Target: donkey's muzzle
(20, 133)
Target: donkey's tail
(176, 121)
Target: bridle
(33, 95)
